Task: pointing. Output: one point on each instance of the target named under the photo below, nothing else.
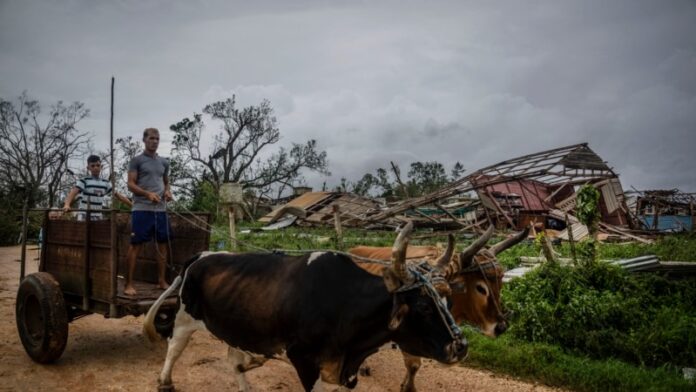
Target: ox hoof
(165, 388)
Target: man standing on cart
(148, 180)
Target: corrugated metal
(609, 198)
(515, 273)
(349, 205)
(642, 263)
(532, 193)
(668, 222)
(567, 204)
(579, 232)
(303, 201)
(583, 158)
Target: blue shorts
(146, 223)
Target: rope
(422, 280)
(480, 267)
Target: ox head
(419, 318)
(476, 279)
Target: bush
(602, 311)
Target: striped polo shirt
(92, 192)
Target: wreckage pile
(538, 189)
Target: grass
(550, 365)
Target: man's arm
(133, 187)
(70, 198)
(167, 190)
(123, 199)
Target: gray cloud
(373, 82)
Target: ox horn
(505, 244)
(399, 252)
(472, 249)
(446, 257)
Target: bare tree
(34, 156)
(235, 155)
(125, 150)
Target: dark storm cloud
(474, 82)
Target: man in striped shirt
(90, 192)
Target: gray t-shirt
(151, 172)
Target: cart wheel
(164, 322)
(42, 320)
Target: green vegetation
(602, 311)
(549, 364)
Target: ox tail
(149, 324)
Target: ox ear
(399, 311)
(391, 279)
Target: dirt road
(112, 355)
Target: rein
(424, 281)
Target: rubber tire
(42, 319)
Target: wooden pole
(547, 248)
(569, 228)
(85, 259)
(454, 218)
(337, 225)
(113, 264)
(23, 259)
(233, 230)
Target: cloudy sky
(379, 81)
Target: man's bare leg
(133, 251)
(162, 265)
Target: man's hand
(66, 208)
(153, 197)
(168, 195)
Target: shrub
(602, 311)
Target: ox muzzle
(457, 350)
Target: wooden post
(337, 225)
(547, 248)
(233, 229)
(571, 239)
(85, 260)
(113, 263)
(23, 259)
(451, 215)
(656, 206)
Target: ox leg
(306, 368)
(412, 363)
(184, 327)
(243, 361)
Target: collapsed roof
(537, 182)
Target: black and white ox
(322, 311)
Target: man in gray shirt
(148, 180)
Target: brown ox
(475, 278)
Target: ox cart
(81, 271)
